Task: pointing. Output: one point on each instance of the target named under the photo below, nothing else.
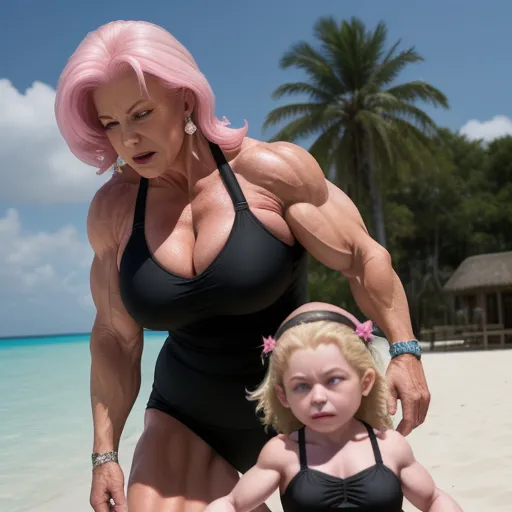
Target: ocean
(45, 416)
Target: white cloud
(489, 130)
(41, 265)
(37, 166)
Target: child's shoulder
(283, 442)
(280, 447)
(275, 453)
(385, 437)
(392, 437)
(392, 444)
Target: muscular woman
(203, 233)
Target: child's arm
(417, 483)
(255, 486)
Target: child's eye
(301, 387)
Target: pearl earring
(190, 127)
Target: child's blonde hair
(360, 355)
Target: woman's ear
(189, 101)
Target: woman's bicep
(111, 315)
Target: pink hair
(146, 48)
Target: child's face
(321, 388)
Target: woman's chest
(185, 234)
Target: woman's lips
(143, 158)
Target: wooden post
(500, 318)
(482, 303)
(484, 329)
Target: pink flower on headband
(268, 344)
(365, 330)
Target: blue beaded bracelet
(405, 347)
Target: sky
(45, 191)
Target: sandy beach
(466, 442)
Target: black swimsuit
(215, 321)
(375, 489)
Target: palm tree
(366, 123)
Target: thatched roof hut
(485, 271)
(483, 283)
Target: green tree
(497, 212)
(365, 122)
(457, 207)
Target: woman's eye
(144, 113)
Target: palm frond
(374, 47)
(284, 112)
(389, 106)
(419, 90)
(319, 119)
(414, 116)
(295, 130)
(372, 84)
(303, 56)
(324, 147)
(407, 132)
(389, 70)
(326, 30)
(411, 145)
(346, 167)
(347, 54)
(290, 89)
(379, 131)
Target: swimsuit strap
(375, 444)
(226, 173)
(140, 204)
(302, 449)
(229, 178)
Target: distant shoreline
(60, 335)
(31, 336)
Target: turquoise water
(45, 418)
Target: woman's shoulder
(275, 157)
(283, 168)
(111, 206)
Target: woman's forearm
(115, 384)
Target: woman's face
(146, 131)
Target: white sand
(466, 442)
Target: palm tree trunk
(375, 196)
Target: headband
(363, 330)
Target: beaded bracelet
(405, 347)
(101, 458)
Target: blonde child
(337, 448)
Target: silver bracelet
(101, 458)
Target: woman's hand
(107, 484)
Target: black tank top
(375, 489)
(244, 294)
